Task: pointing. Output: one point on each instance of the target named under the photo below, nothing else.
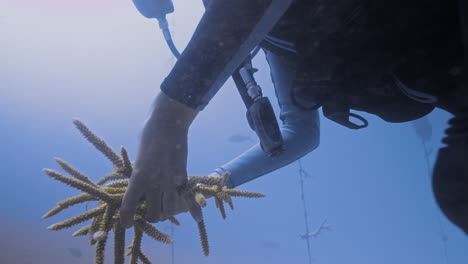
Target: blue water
(373, 185)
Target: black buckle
(340, 113)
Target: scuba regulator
(260, 114)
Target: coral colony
(108, 192)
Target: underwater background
(102, 62)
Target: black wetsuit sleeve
(225, 36)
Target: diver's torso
(347, 27)
(350, 48)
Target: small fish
(76, 252)
(238, 138)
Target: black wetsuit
(354, 53)
(350, 49)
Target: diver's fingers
(182, 205)
(194, 208)
(154, 206)
(170, 201)
(130, 203)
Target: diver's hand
(160, 166)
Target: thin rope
(304, 206)
(172, 245)
(173, 61)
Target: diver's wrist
(169, 112)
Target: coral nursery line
(108, 192)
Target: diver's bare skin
(160, 166)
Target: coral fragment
(105, 217)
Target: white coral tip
(99, 235)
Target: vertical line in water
(304, 206)
(172, 245)
(172, 62)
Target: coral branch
(68, 203)
(200, 198)
(119, 243)
(223, 196)
(78, 219)
(153, 232)
(237, 193)
(206, 191)
(96, 221)
(112, 190)
(207, 180)
(99, 144)
(73, 172)
(136, 246)
(117, 175)
(83, 231)
(105, 218)
(204, 237)
(104, 228)
(144, 258)
(82, 186)
(220, 206)
(127, 164)
(118, 184)
(100, 249)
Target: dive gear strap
(341, 113)
(260, 114)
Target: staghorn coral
(109, 191)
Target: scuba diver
(396, 59)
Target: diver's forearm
(170, 112)
(226, 34)
(299, 140)
(168, 115)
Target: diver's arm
(226, 34)
(300, 129)
(301, 136)
(160, 165)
